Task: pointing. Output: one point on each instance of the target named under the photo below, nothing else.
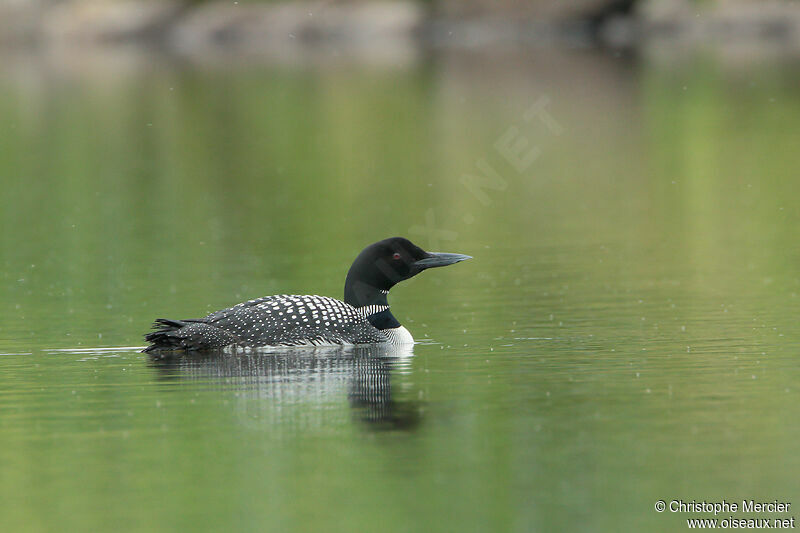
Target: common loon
(305, 320)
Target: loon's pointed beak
(439, 259)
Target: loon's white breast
(399, 335)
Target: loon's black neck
(362, 295)
(383, 320)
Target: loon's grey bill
(439, 259)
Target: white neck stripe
(369, 310)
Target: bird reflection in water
(269, 382)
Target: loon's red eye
(396, 255)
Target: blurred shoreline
(392, 32)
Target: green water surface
(626, 332)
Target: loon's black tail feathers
(168, 323)
(166, 335)
(191, 334)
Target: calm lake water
(627, 330)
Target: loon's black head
(380, 266)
